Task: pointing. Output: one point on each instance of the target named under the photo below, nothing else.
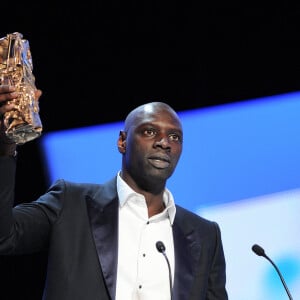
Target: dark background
(95, 61)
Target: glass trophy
(22, 124)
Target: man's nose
(162, 141)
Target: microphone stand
(161, 248)
(261, 252)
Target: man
(102, 238)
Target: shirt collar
(125, 192)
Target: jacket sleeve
(217, 279)
(7, 185)
(26, 227)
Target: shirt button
(144, 254)
(148, 222)
(140, 286)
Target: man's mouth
(160, 162)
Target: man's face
(153, 146)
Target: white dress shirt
(142, 270)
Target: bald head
(151, 108)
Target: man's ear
(122, 142)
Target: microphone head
(160, 246)
(258, 250)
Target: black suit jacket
(78, 224)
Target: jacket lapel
(185, 262)
(103, 214)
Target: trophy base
(23, 133)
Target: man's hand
(8, 93)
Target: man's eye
(175, 137)
(149, 132)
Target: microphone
(161, 248)
(258, 250)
